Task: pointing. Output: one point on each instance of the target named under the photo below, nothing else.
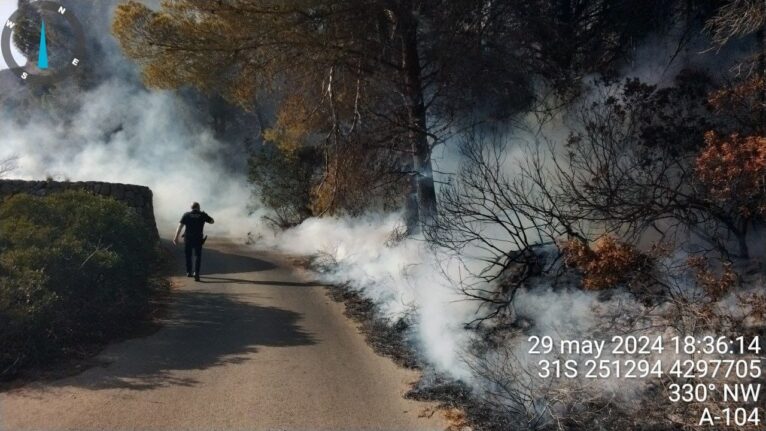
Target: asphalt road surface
(254, 345)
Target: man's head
(195, 206)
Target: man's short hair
(195, 206)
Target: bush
(74, 269)
(284, 182)
(608, 264)
(734, 170)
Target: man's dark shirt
(195, 223)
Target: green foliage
(26, 36)
(74, 269)
(284, 181)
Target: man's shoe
(196, 277)
(189, 274)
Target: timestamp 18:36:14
(710, 345)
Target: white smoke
(411, 276)
(121, 132)
(400, 278)
(129, 135)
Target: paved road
(255, 345)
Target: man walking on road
(194, 221)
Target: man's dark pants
(195, 246)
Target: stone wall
(139, 198)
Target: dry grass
(386, 339)
(458, 420)
(455, 400)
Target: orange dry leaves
(715, 285)
(607, 264)
(734, 170)
(744, 96)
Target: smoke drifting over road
(118, 131)
(125, 134)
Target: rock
(118, 191)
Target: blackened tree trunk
(422, 209)
(761, 36)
